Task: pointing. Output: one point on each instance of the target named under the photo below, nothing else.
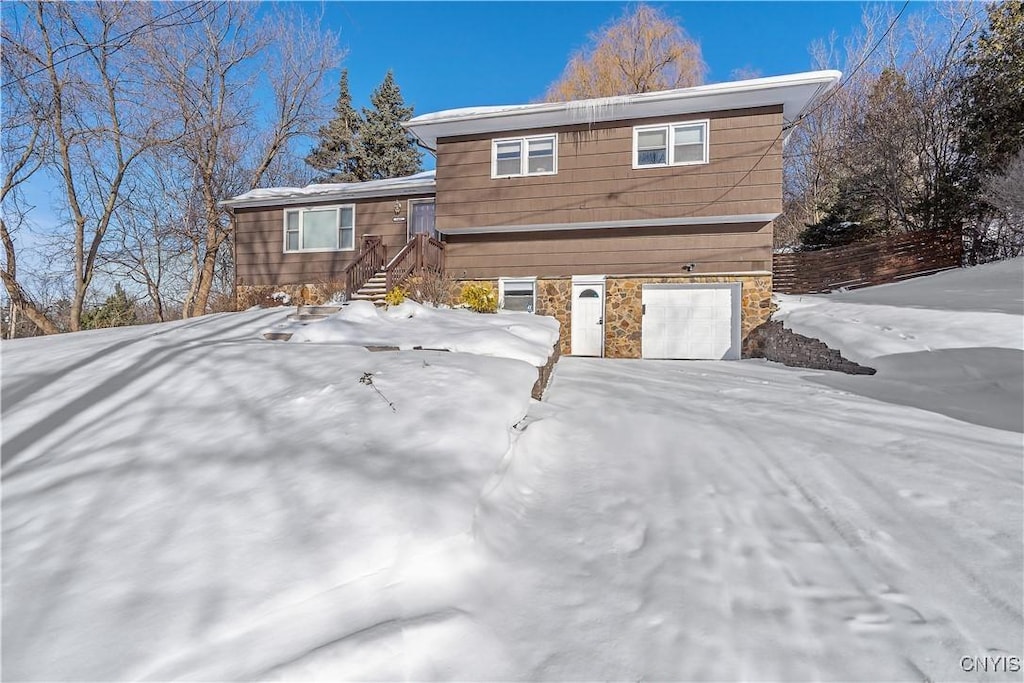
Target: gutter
(376, 193)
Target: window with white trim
(320, 228)
(518, 294)
(537, 155)
(670, 144)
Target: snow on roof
(795, 92)
(418, 183)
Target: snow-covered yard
(190, 501)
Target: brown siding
(620, 251)
(259, 243)
(596, 181)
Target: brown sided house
(642, 223)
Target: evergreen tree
(848, 219)
(339, 155)
(389, 151)
(993, 102)
(117, 311)
(992, 111)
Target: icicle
(590, 111)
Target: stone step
(317, 310)
(363, 296)
(306, 317)
(277, 336)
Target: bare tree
(25, 140)
(1004, 192)
(100, 121)
(210, 76)
(148, 244)
(815, 145)
(643, 51)
(887, 136)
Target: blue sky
(458, 54)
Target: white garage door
(691, 321)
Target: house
(643, 223)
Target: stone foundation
(553, 297)
(623, 306)
(247, 296)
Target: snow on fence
(867, 263)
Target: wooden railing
(367, 264)
(422, 253)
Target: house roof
(795, 92)
(419, 183)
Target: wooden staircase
(375, 289)
(370, 279)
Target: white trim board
(603, 225)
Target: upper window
(518, 294)
(536, 155)
(670, 144)
(323, 228)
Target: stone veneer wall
(623, 306)
(553, 298)
(774, 342)
(247, 296)
(622, 331)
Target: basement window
(670, 144)
(518, 294)
(321, 228)
(537, 155)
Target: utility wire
(832, 93)
(802, 117)
(122, 40)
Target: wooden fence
(866, 263)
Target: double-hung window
(321, 228)
(670, 144)
(518, 294)
(536, 155)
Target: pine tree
(993, 104)
(117, 311)
(992, 111)
(846, 220)
(339, 154)
(389, 151)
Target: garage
(691, 321)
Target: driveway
(723, 520)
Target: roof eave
(400, 191)
(737, 94)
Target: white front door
(587, 333)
